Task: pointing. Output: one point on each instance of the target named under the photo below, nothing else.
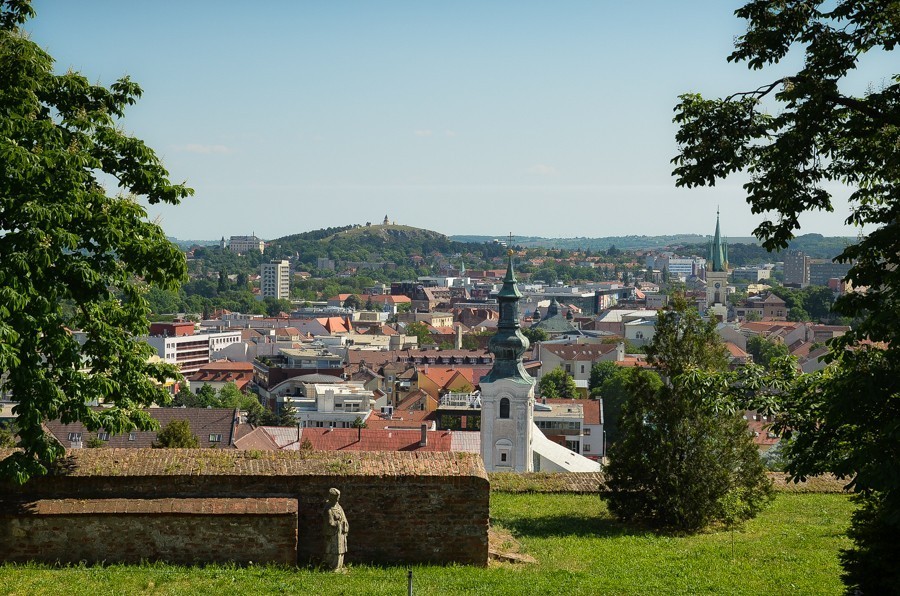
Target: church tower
(717, 270)
(507, 392)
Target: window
(215, 438)
(504, 408)
(132, 436)
(503, 457)
(582, 368)
(568, 368)
(74, 436)
(103, 436)
(587, 432)
(587, 448)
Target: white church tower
(507, 392)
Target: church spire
(717, 260)
(508, 344)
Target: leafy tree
(176, 435)
(534, 335)
(765, 352)
(470, 342)
(614, 392)
(794, 136)
(353, 302)
(798, 314)
(95, 443)
(558, 383)
(600, 373)
(276, 306)
(680, 459)
(8, 435)
(420, 330)
(72, 257)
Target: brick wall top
(268, 506)
(215, 462)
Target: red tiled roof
(590, 407)
(351, 439)
(735, 350)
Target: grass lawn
(791, 547)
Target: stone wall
(403, 508)
(184, 531)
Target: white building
(242, 244)
(334, 405)
(190, 352)
(275, 280)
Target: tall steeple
(508, 344)
(717, 260)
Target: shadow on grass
(569, 525)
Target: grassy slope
(791, 547)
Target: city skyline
(554, 120)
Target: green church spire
(508, 345)
(717, 260)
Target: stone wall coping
(214, 462)
(263, 506)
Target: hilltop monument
(507, 392)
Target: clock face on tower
(718, 285)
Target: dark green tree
(765, 352)
(534, 335)
(176, 435)
(795, 136)
(420, 330)
(353, 302)
(681, 460)
(600, 373)
(65, 243)
(8, 435)
(557, 383)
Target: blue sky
(536, 118)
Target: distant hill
(603, 243)
(392, 245)
(741, 249)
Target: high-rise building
(275, 279)
(796, 269)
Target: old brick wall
(182, 531)
(403, 508)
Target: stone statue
(336, 529)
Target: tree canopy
(558, 383)
(176, 435)
(681, 462)
(799, 137)
(73, 257)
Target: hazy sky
(536, 118)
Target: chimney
(424, 440)
(458, 343)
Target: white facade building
(275, 280)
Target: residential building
(213, 427)
(275, 280)
(221, 372)
(333, 405)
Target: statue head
(333, 495)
